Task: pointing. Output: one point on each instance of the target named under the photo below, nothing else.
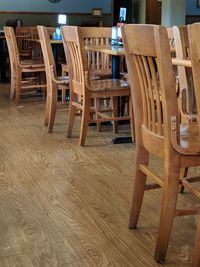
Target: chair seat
(108, 85)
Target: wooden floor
(62, 205)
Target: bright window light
(62, 19)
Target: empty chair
(82, 88)
(23, 36)
(19, 68)
(54, 82)
(158, 129)
(99, 63)
(35, 44)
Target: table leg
(121, 100)
(115, 67)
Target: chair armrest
(58, 80)
(175, 143)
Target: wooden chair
(194, 40)
(35, 44)
(158, 130)
(23, 36)
(20, 68)
(185, 78)
(54, 82)
(99, 63)
(82, 88)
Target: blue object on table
(57, 34)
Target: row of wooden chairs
(25, 73)
(159, 130)
(95, 99)
(85, 89)
(27, 42)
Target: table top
(107, 49)
(114, 50)
(52, 41)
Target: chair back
(153, 86)
(36, 46)
(12, 47)
(170, 34)
(97, 36)
(23, 36)
(48, 57)
(194, 40)
(76, 57)
(184, 74)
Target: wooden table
(117, 51)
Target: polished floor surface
(63, 205)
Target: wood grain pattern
(64, 205)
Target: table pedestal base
(122, 140)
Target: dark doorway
(153, 12)
(116, 4)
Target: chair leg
(114, 103)
(196, 254)
(132, 123)
(47, 109)
(12, 85)
(63, 95)
(183, 174)
(72, 114)
(97, 108)
(142, 157)
(18, 86)
(84, 121)
(168, 207)
(52, 108)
